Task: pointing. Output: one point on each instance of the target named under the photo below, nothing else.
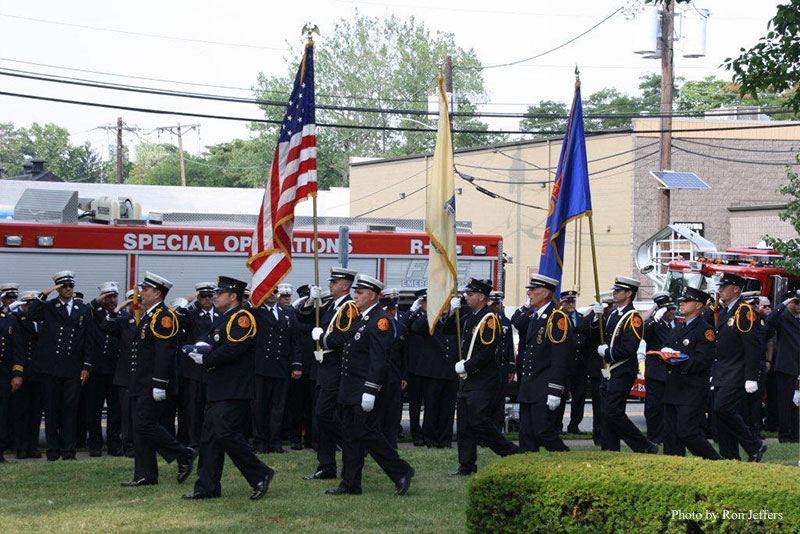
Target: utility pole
(179, 131)
(667, 83)
(119, 150)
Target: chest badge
(357, 336)
(730, 321)
(216, 337)
(685, 342)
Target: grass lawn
(86, 496)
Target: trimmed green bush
(624, 492)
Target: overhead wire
(735, 160)
(737, 149)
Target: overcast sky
(256, 34)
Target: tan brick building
(743, 165)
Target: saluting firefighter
(11, 370)
(64, 357)
(624, 330)
(334, 315)
(686, 382)
(480, 377)
(230, 366)
(735, 370)
(152, 367)
(363, 395)
(547, 351)
(27, 404)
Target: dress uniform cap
(63, 277)
(691, 294)
(246, 292)
(157, 282)
(475, 285)
(623, 282)
(496, 296)
(340, 273)
(540, 280)
(662, 299)
(304, 290)
(205, 288)
(749, 295)
(284, 289)
(78, 295)
(421, 293)
(129, 294)
(390, 298)
(9, 290)
(226, 283)
(108, 287)
(570, 294)
(364, 281)
(29, 295)
(731, 279)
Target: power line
(392, 202)
(562, 45)
(734, 160)
(737, 149)
(143, 34)
(492, 194)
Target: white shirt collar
(540, 311)
(153, 307)
(338, 301)
(366, 312)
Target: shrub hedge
(625, 492)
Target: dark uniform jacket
(687, 382)
(123, 327)
(277, 342)
(153, 351)
(398, 352)
(626, 343)
(195, 323)
(738, 356)
(230, 366)
(505, 349)
(328, 371)
(657, 334)
(106, 345)
(306, 347)
(787, 360)
(412, 340)
(437, 354)
(547, 352)
(366, 356)
(11, 356)
(65, 344)
(25, 336)
(483, 370)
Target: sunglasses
(68, 285)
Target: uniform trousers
(361, 434)
(223, 422)
(193, 404)
(577, 393)
(598, 400)
(60, 414)
(616, 424)
(150, 437)
(99, 392)
(476, 427)
(683, 429)
(268, 407)
(414, 392)
(125, 414)
(654, 409)
(539, 427)
(27, 405)
(788, 426)
(300, 415)
(389, 418)
(439, 397)
(5, 416)
(731, 427)
(329, 426)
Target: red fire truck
(31, 252)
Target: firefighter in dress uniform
(64, 358)
(735, 371)
(506, 357)
(230, 389)
(152, 367)
(658, 327)
(362, 395)
(302, 388)
(11, 371)
(786, 322)
(578, 371)
(548, 348)
(28, 403)
(479, 377)
(390, 419)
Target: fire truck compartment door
(185, 271)
(412, 273)
(34, 270)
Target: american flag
(292, 178)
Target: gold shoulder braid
(635, 322)
(349, 310)
(489, 321)
(750, 315)
(243, 319)
(562, 323)
(167, 322)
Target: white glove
(460, 367)
(553, 402)
(601, 350)
(796, 397)
(750, 386)
(315, 292)
(367, 402)
(318, 355)
(641, 352)
(159, 394)
(316, 333)
(416, 305)
(597, 308)
(197, 357)
(668, 349)
(659, 314)
(527, 304)
(455, 303)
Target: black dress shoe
(341, 490)
(2, 458)
(419, 443)
(652, 448)
(21, 455)
(461, 473)
(261, 488)
(35, 453)
(130, 453)
(759, 454)
(322, 474)
(198, 495)
(68, 457)
(277, 450)
(402, 485)
(185, 464)
(115, 452)
(138, 482)
(95, 453)
(297, 446)
(52, 458)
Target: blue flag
(571, 197)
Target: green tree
(533, 122)
(51, 143)
(84, 164)
(12, 141)
(385, 63)
(790, 248)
